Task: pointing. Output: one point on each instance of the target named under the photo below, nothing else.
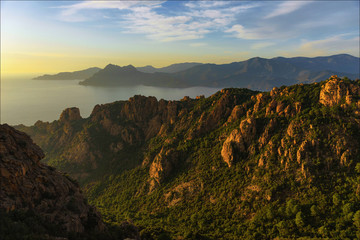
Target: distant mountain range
(77, 75)
(169, 69)
(264, 74)
(255, 73)
(113, 75)
(87, 73)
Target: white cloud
(72, 13)
(121, 5)
(215, 13)
(206, 4)
(251, 34)
(286, 8)
(198, 19)
(159, 27)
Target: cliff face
(301, 141)
(337, 91)
(26, 184)
(258, 164)
(83, 147)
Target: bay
(25, 101)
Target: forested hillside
(239, 164)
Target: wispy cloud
(333, 44)
(286, 8)
(193, 22)
(206, 4)
(270, 27)
(73, 12)
(121, 5)
(162, 28)
(259, 32)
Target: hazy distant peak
(343, 55)
(129, 67)
(76, 75)
(173, 68)
(113, 67)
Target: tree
(314, 210)
(357, 168)
(336, 199)
(347, 208)
(356, 219)
(323, 231)
(291, 208)
(299, 219)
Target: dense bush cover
(317, 196)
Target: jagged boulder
(228, 151)
(260, 99)
(336, 90)
(238, 141)
(236, 113)
(70, 114)
(162, 166)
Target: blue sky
(67, 35)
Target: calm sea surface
(24, 101)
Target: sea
(25, 101)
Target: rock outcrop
(238, 141)
(26, 184)
(161, 167)
(70, 114)
(336, 91)
(299, 141)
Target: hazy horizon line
(27, 74)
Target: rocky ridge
(300, 141)
(238, 149)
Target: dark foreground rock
(28, 185)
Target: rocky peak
(26, 184)
(129, 68)
(140, 108)
(70, 114)
(336, 90)
(111, 67)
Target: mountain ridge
(176, 67)
(264, 73)
(256, 73)
(76, 75)
(113, 75)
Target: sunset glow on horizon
(55, 36)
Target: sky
(55, 36)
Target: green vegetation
(311, 191)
